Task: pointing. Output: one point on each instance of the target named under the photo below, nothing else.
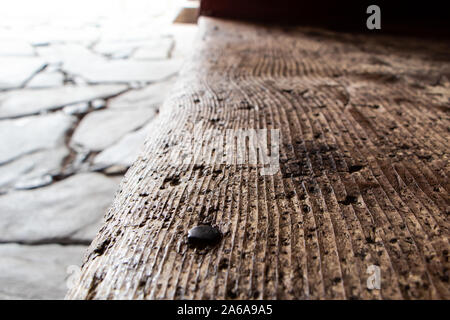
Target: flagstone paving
(77, 99)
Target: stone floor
(79, 87)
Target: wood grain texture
(363, 181)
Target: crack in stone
(62, 242)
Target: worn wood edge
(401, 204)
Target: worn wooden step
(362, 181)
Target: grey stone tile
(26, 135)
(100, 129)
(33, 167)
(30, 101)
(37, 272)
(46, 80)
(152, 95)
(123, 153)
(15, 71)
(70, 210)
(124, 71)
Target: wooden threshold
(363, 180)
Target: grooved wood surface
(363, 177)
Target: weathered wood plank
(363, 177)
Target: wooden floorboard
(363, 179)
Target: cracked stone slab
(32, 101)
(16, 48)
(149, 96)
(23, 136)
(77, 108)
(30, 169)
(68, 53)
(116, 49)
(123, 153)
(100, 129)
(70, 210)
(156, 50)
(37, 272)
(123, 48)
(124, 71)
(46, 80)
(15, 71)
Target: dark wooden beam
(428, 18)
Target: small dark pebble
(204, 235)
